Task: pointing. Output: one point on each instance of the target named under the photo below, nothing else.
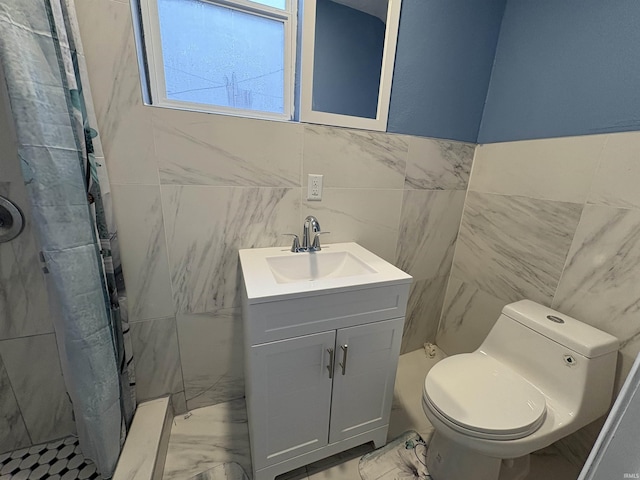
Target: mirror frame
(307, 114)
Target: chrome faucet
(310, 236)
(310, 223)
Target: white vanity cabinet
(300, 404)
(320, 368)
(363, 390)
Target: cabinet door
(363, 388)
(291, 397)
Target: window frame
(307, 113)
(155, 61)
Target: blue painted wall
(564, 67)
(443, 65)
(347, 60)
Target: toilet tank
(570, 362)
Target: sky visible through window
(220, 56)
(281, 4)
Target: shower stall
(35, 405)
(67, 387)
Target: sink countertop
(262, 286)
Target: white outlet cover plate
(314, 187)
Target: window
(225, 56)
(238, 57)
(348, 56)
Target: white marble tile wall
(23, 293)
(33, 369)
(354, 158)
(225, 151)
(427, 233)
(125, 124)
(14, 431)
(138, 209)
(557, 221)
(438, 164)
(190, 189)
(206, 226)
(211, 349)
(364, 215)
(557, 169)
(157, 359)
(426, 297)
(513, 247)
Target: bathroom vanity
(322, 337)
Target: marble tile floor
(210, 436)
(59, 460)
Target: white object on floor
(402, 459)
(430, 350)
(538, 376)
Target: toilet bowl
(538, 376)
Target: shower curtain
(69, 192)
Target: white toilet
(538, 376)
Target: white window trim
(153, 45)
(307, 114)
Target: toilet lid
(481, 394)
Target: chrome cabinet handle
(343, 364)
(332, 360)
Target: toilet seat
(479, 396)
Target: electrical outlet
(314, 187)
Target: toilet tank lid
(584, 339)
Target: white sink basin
(272, 273)
(316, 265)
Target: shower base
(59, 460)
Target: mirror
(348, 51)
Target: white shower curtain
(69, 192)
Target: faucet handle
(316, 240)
(295, 247)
